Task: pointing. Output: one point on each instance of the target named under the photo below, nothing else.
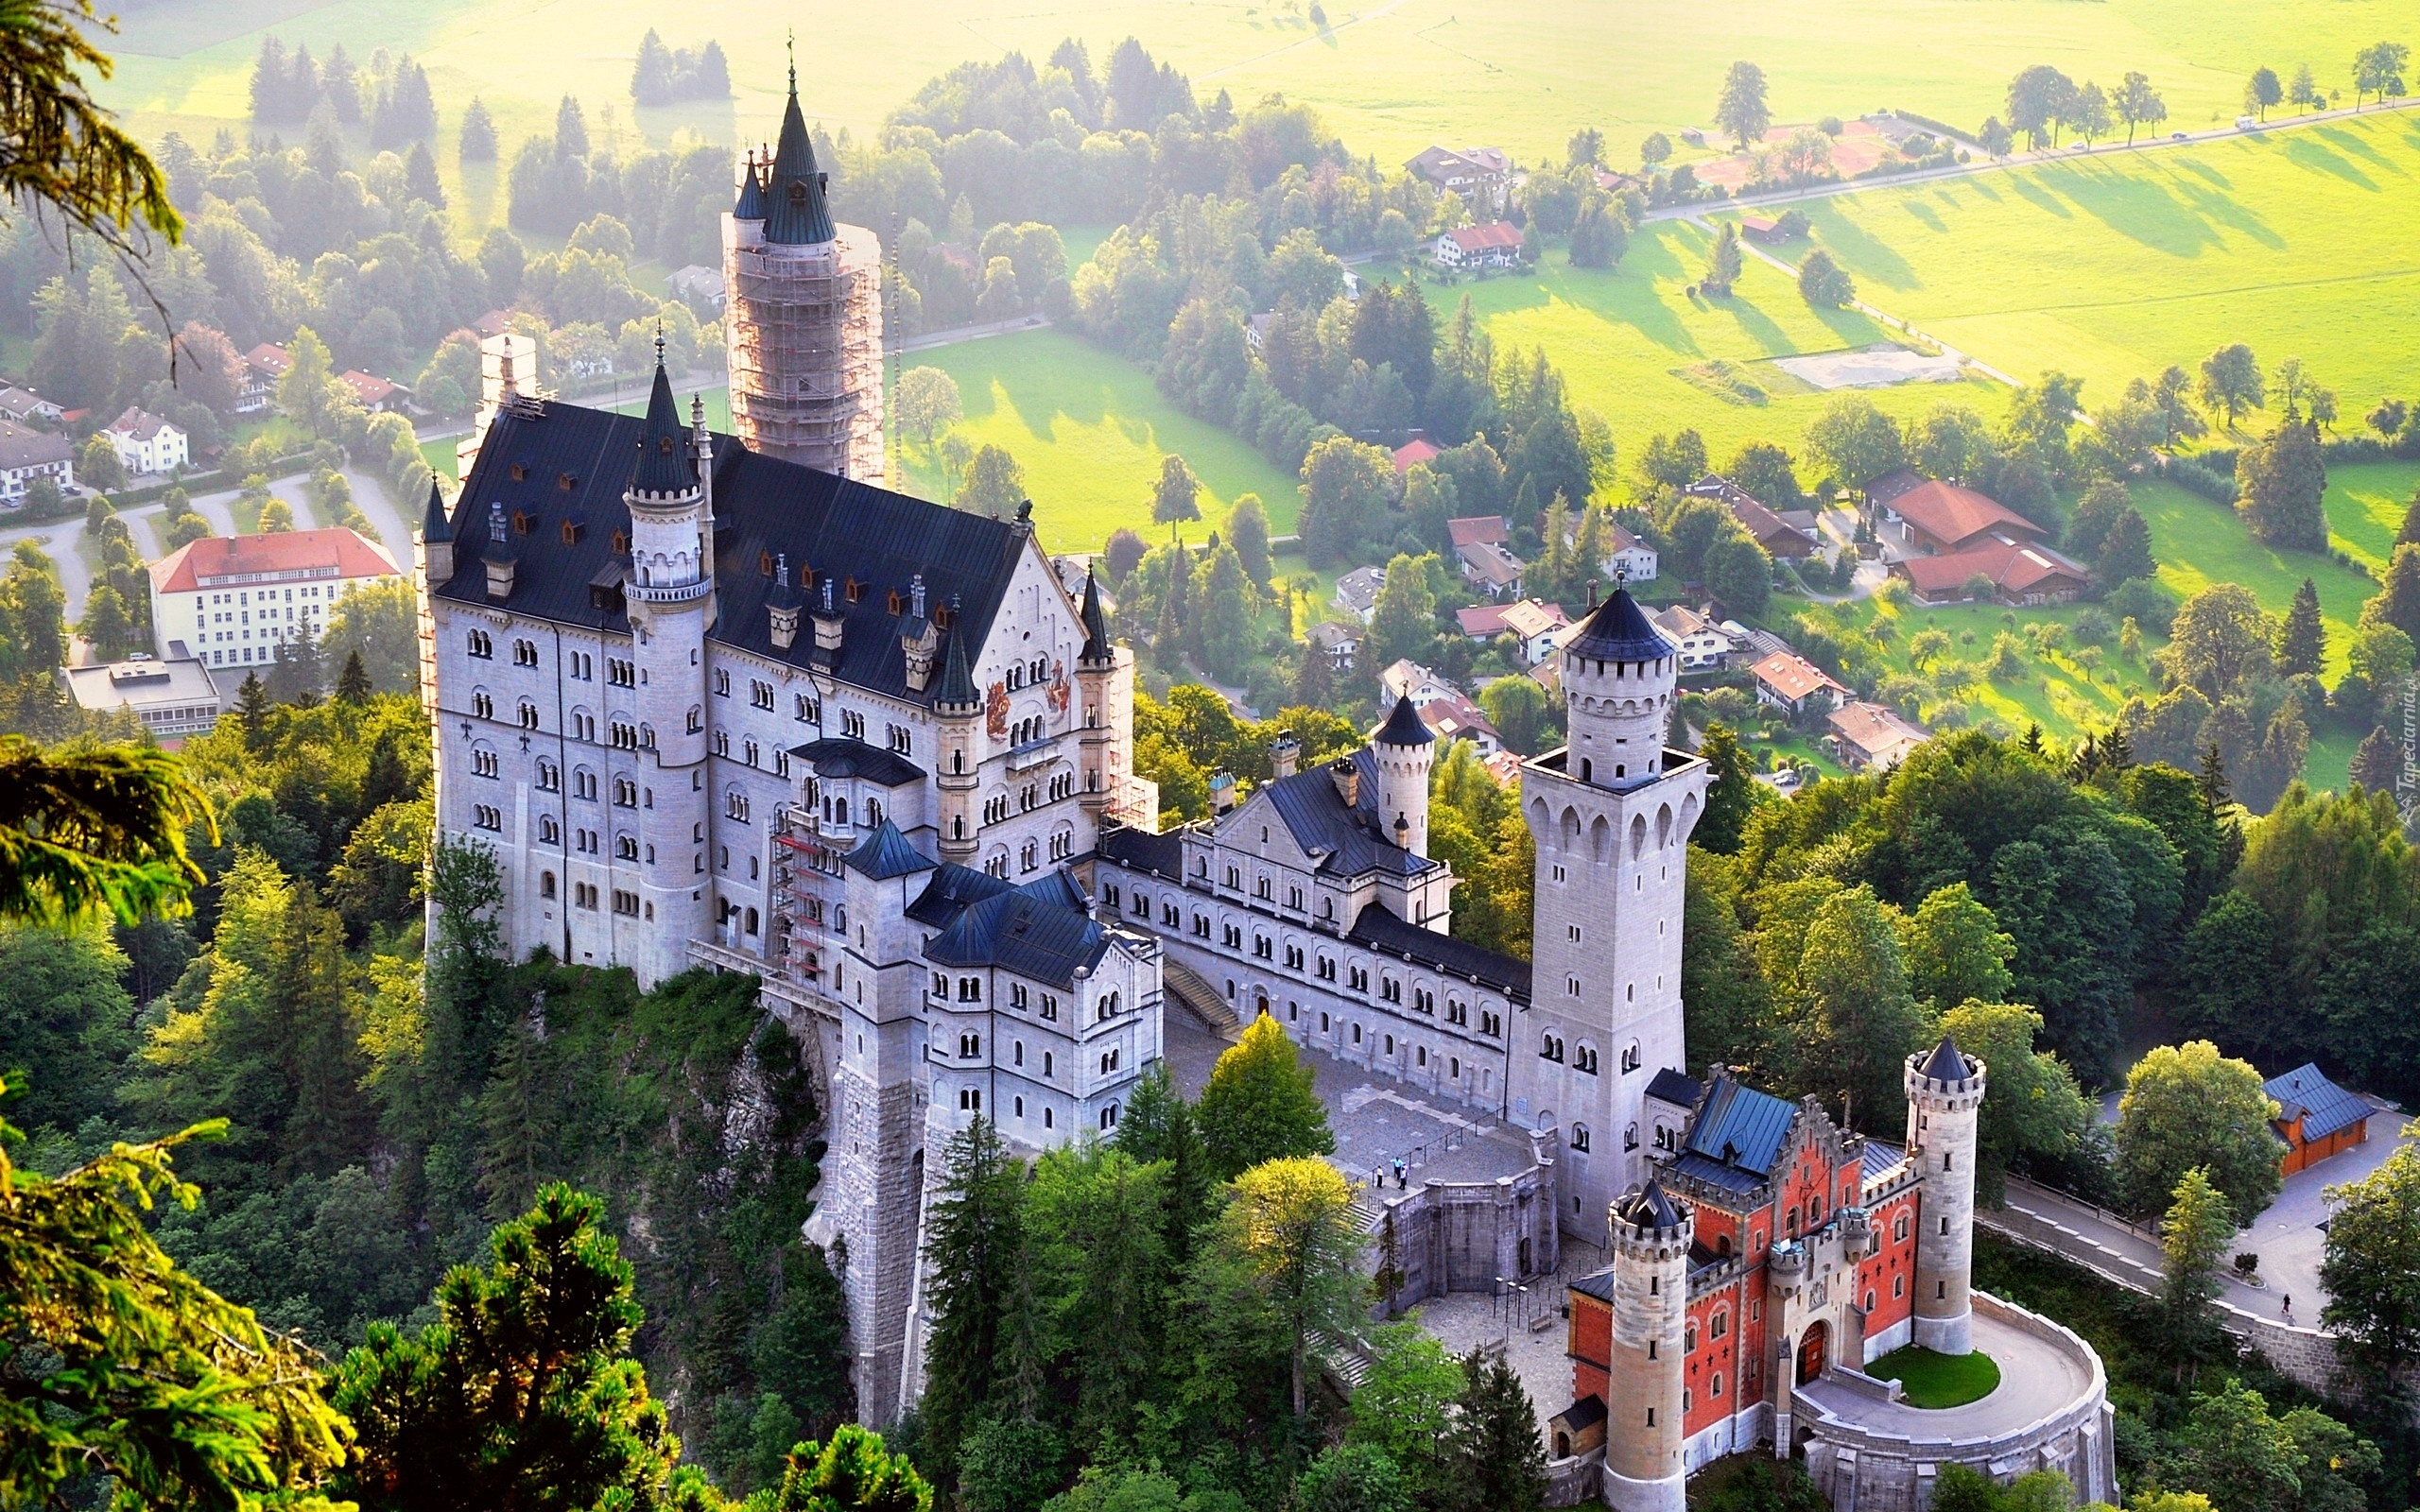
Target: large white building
(232, 600)
(148, 445)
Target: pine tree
(478, 133)
(2398, 600)
(420, 176)
(1259, 1105)
(2409, 534)
(1495, 1460)
(2302, 639)
(253, 705)
(2377, 762)
(353, 683)
(974, 1245)
(2126, 551)
(1731, 797)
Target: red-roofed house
(376, 394)
(147, 444)
(1479, 530)
(231, 599)
(1414, 452)
(2019, 572)
(493, 323)
(1778, 536)
(1943, 517)
(1790, 683)
(262, 366)
(1871, 736)
(1535, 625)
(1497, 244)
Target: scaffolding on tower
(804, 337)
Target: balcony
(1033, 753)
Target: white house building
(232, 600)
(147, 444)
(172, 695)
(26, 454)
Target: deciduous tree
(2185, 1106)
(2137, 104)
(1258, 1105)
(2231, 382)
(1740, 110)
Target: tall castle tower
(803, 316)
(1404, 751)
(671, 600)
(1644, 1432)
(1945, 1095)
(1611, 813)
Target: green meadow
(2116, 266)
(1090, 429)
(1637, 347)
(1390, 75)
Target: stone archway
(1812, 1346)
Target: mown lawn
(1932, 1380)
(1638, 349)
(2114, 267)
(1090, 429)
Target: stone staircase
(1182, 985)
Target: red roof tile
(1955, 516)
(335, 551)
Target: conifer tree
(972, 1248)
(1731, 795)
(2409, 534)
(2302, 639)
(853, 1472)
(1259, 1105)
(478, 133)
(2398, 600)
(1495, 1460)
(353, 683)
(2126, 551)
(2377, 762)
(253, 704)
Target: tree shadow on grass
(2303, 151)
(1867, 256)
(2360, 146)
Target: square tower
(1611, 813)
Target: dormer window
(571, 532)
(565, 481)
(521, 520)
(852, 590)
(763, 564)
(621, 542)
(892, 605)
(663, 444)
(520, 471)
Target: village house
(1701, 644)
(1452, 716)
(1534, 624)
(1336, 640)
(375, 394)
(26, 407)
(1482, 175)
(262, 366)
(1869, 736)
(172, 697)
(1414, 453)
(1491, 568)
(148, 445)
(2005, 571)
(1406, 678)
(1938, 519)
(1359, 590)
(236, 598)
(1793, 536)
(1479, 530)
(2315, 1117)
(698, 285)
(1498, 244)
(1789, 682)
(1627, 557)
(25, 454)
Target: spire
(958, 684)
(752, 193)
(434, 526)
(1618, 631)
(664, 465)
(1095, 627)
(795, 214)
(1403, 727)
(1946, 1063)
(1649, 1208)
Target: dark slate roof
(1946, 1063)
(958, 684)
(2324, 1107)
(1382, 931)
(1404, 726)
(1060, 887)
(837, 757)
(1586, 1412)
(1877, 1159)
(1163, 854)
(830, 526)
(434, 527)
(1096, 625)
(751, 205)
(951, 891)
(1740, 1128)
(1599, 1285)
(1648, 1208)
(665, 463)
(886, 854)
(1714, 1173)
(1354, 839)
(795, 212)
(1673, 1086)
(1028, 931)
(1619, 632)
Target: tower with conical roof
(1105, 693)
(1403, 750)
(1643, 1409)
(1611, 813)
(1945, 1103)
(803, 314)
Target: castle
(722, 700)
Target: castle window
(1328, 968)
(760, 692)
(583, 895)
(487, 816)
(1361, 979)
(1585, 1059)
(1049, 1015)
(1390, 990)
(969, 1047)
(851, 589)
(625, 848)
(1631, 1057)
(970, 990)
(807, 711)
(1580, 1137)
(1899, 1231)
(1690, 1339)
(1718, 1326)
(622, 543)
(763, 564)
(525, 653)
(1201, 926)
(1458, 1012)
(626, 904)
(566, 482)
(970, 1100)
(529, 714)
(571, 532)
(892, 604)
(520, 471)
(625, 792)
(550, 776)
(483, 706)
(1109, 1117)
(722, 684)
(1492, 1025)
(1293, 957)
(484, 764)
(482, 646)
(546, 885)
(1630, 1137)
(522, 520)
(1898, 1287)
(1261, 947)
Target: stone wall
(1463, 1236)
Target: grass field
(1390, 75)
(1090, 430)
(2114, 267)
(1932, 1380)
(1635, 347)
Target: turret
(499, 557)
(1617, 682)
(437, 538)
(1403, 750)
(1644, 1432)
(1105, 693)
(1944, 1099)
(959, 707)
(795, 211)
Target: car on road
(2177, 136)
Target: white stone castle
(709, 706)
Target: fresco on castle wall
(995, 712)
(1058, 687)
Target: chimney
(1283, 753)
(916, 595)
(918, 640)
(1222, 794)
(827, 625)
(498, 558)
(1347, 778)
(784, 604)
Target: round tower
(1403, 750)
(670, 594)
(1644, 1432)
(957, 706)
(1945, 1095)
(1617, 679)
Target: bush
(2146, 603)
(2192, 474)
